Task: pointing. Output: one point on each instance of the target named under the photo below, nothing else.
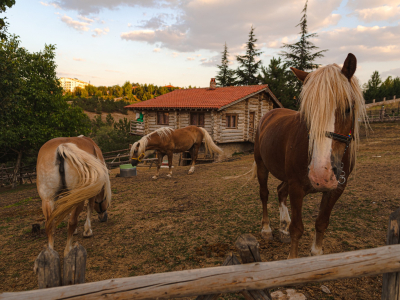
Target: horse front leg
(170, 157)
(283, 191)
(88, 225)
(321, 224)
(72, 224)
(194, 153)
(160, 157)
(296, 228)
(262, 175)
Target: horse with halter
(70, 171)
(310, 151)
(167, 141)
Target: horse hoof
(316, 253)
(169, 175)
(284, 237)
(76, 231)
(88, 234)
(267, 235)
(155, 177)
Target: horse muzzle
(103, 217)
(323, 179)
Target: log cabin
(229, 114)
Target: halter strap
(139, 158)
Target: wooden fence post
(247, 246)
(75, 265)
(48, 269)
(391, 281)
(230, 260)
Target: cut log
(229, 279)
(247, 246)
(75, 265)
(391, 281)
(48, 269)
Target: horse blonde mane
(163, 132)
(325, 91)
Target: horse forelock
(326, 91)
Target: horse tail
(252, 172)
(93, 178)
(210, 147)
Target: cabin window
(197, 119)
(162, 118)
(231, 121)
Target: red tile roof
(203, 97)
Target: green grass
(19, 203)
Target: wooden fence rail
(228, 279)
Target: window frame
(229, 117)
(163, 114)
(197, 114)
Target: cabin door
(251, 126)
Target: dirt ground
(190, 222)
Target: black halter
(343, 139)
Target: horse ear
(349, 66)
(301, 75)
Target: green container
(126, 166)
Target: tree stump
(48, 269)
(247, 246)
(75, 265)
(391, 281)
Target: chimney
(213, 85)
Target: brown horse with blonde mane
(167, 141)
(70, 171)
(310, 151)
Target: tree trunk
(16, 169)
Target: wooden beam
(254, 276)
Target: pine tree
(226, 76)
(277, 76)
(248, 67)
(372, 89)
(300, 55)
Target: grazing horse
(70, 171)
(167, 141)
(310, 151)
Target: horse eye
(347, 110)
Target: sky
(179, 42)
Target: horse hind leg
(160, 157)
(48, 207)
(72, 224)
(194, 153)
(88, 225)
(262, 174)
(283, 192)
(170, 157)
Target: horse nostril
(334, 169)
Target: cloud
(393, 73)
(78, 59)
(190, 58)
(49, 4)
(175, 54)
(361, 4)
(198, 55)
(381, 13)
(80, 26)
(95, 6)
(210, 62)
(98, 32)
(85, 19)
(156, 50)
(129, 25)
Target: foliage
(278, 77)
(111, 135)
(4, 5)
(248, 66)
(376, 89)
(41, 112)
(300, 55)
(226, 76)
(97, 105)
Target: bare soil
(192, 221)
